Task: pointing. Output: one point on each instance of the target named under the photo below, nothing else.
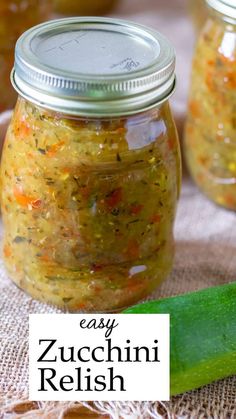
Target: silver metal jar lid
(94, 66)
(225, 7)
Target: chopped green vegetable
(203, 335)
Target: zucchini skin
(202, 335)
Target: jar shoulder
(96, 137)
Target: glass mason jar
(84, 7)
(15, 17)
(210, 135)
(91, 165)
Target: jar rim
(227, 8)
(72, 108)
(94, 66)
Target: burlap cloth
(205, 256)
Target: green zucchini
(203, 335)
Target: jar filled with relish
(210, 135)
(15, 17)
(91, 166)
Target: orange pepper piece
(24, 200)
(7, 251)
(171, 143)
(53, 149)
(209, 81)
(230, 200)
(136, 209)
(156, 218)
(194, 108)
(231, 80)
(24, 127)
(132, 250)
(114, 198)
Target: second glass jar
(210, 135)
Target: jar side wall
(88, 205)
(210, 131)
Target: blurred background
(177, 19)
